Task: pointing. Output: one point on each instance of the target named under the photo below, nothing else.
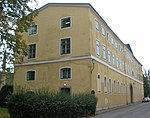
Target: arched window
(98, 83)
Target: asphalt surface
(141, 110)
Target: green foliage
(51, 105)
(146, 80)
(4, 113)
(14, 20)
(5, 94)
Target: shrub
(51, 105)
(5, 94)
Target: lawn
(4, 113)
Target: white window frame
(31, 28)
(110, 86)
(65, 18)
(109, 56)
(105, 85)
(103, 31)
(70, 46)
(35, 51)
(118, 84)
(115, 90)
(27, 75)
(113, 59)
(108, 37)
(98, 48)
(117, 62)
(96, 25)
(98, 83)
(64, 68)
(104, 51)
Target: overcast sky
(129, 19)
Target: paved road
(141, 110)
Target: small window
(97, 47)
(33, 30)
(103, 31)
(30, 75)
(108, 37)
(96, 25)
(104, 52)
(65, 90)
(65, 46)
(65, 73)
(113, 59)
(110, 86)
(32, 51)
(108, 56)
(117, 61)
(65, 22)
(112, 41)
(98, 83)
(105, 84)
(114, 86)
(118, 87)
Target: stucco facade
(74, 48)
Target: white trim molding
(77, 58)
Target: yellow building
(72, 49)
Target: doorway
(131, 93)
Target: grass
(4, 113)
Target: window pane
(33, 30)
(65, 73)
(30, 75)
(97, 48)
(32, 51)
(96, 25)
(66, 22)
(65, 46)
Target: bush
(5, 94)
(51, 105)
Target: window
(32, 51)
(65, 90)
(112, 41)
(96, 25)
(104, 52)
(65, 46)
(116, 45)
(30, 75)
(33, 30)
(65, 73)
(108, 56)
(118, 87)
(98, 83)
(105, 84)
(113, 59)
(108, 37)
(97, 47)
(110, 86)
(117, 62)
(103, 31)
(114, 86)
(65, 22)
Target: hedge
(51, 105)
(5, 94)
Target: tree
(15, 18)
(146, 80)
